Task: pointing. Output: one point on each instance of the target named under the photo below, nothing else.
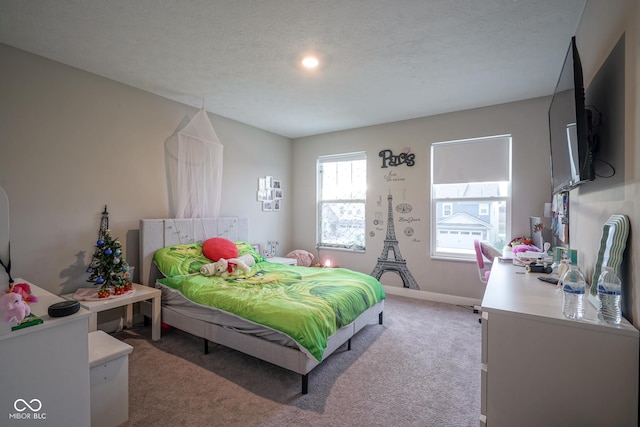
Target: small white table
(141, 293)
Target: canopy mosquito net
(199, 177)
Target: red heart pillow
(219, 247)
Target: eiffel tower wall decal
(394, 263)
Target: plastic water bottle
(609, 293)
(573, 289)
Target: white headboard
(159, 233)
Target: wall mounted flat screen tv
(569, 127)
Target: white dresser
(542, 369)
(109, 373)
(44, 369)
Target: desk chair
(484, 260)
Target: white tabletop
(513, 291)
(140, 293)
(41, 309)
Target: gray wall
(526, 121)
(71, 142)
(600, 30)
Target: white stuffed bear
(225, 267)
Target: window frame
(438, 202)
(335, 158)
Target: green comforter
(306, 303)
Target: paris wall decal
(390, 159)
(391, 259)
(392, 176)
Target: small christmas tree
(108, 268)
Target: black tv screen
(571, 156)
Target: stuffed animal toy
(13, 308)
(302, 257)
(225, 267)
(25, 290)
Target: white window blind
(471, 160)
(470, 194)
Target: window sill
(450, 258)
(332, 248)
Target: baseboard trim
(431, 296)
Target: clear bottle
(573, 289)
(609, 294)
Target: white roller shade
(346, 157)
(477, 160)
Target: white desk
(540, 368)
(141, 293)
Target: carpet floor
(420, 368)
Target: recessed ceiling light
(310, 62)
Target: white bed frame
(158, 233)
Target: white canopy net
(199, 178)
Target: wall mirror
(4, 237)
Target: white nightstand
(141, 293)
(282, 260)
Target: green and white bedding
(307, 304)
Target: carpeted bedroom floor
(420, 368)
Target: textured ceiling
(381, 61)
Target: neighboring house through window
(472, 199)
(447, 209)
(342, 189)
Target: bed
(204, 306)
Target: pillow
(303, 257)
(245, 248)
(180, 260)
(219, 247)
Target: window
(472, 200)
(342, 189)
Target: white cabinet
(540, 368)
(109, 373)
(44, 369)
